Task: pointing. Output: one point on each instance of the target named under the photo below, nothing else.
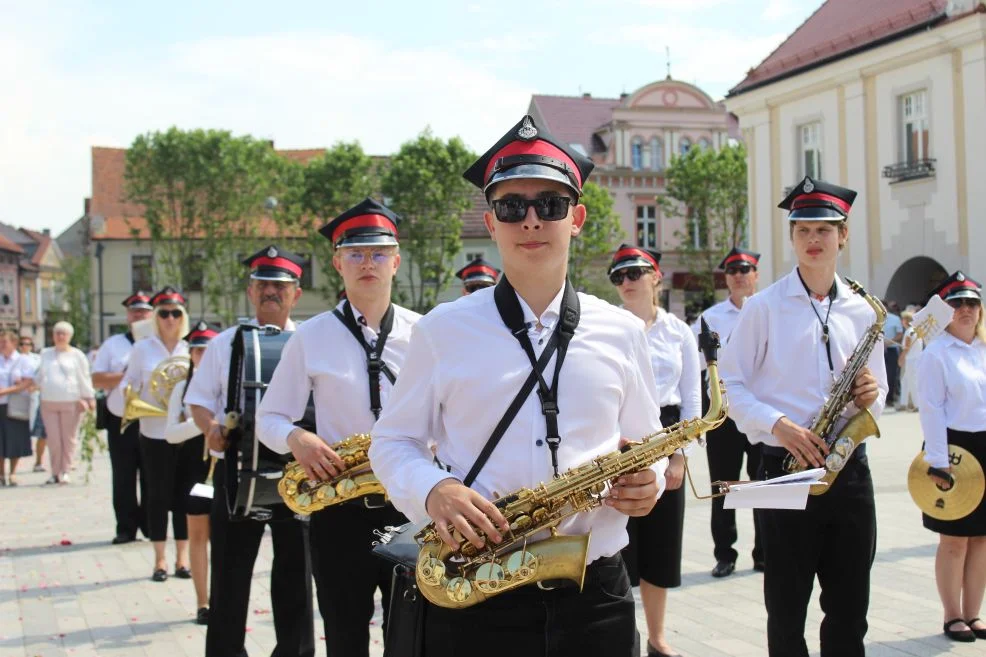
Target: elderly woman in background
(66, 393)
(15, 434)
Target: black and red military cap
(816, 200)
(529, 151)
(201, 334)
(634, 256)
(139, 300)
(275, 264)
(367, 224)
(478, 273)
(958, 286)
(738, 256)
(168, 295)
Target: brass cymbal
(958, 501)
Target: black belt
(780, 452)
(374, 501)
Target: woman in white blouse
(653, 556)
(170, 322)
(66, 393)
(952, 401)
(193, 469)
(908, 360)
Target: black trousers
(834, 538)
(347, 574)
(168, 468)
(235, 545)
(726, 447)
(529, 622)
(125, 462)
(893, 375)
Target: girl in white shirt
(910, 355)
(952, 400)
(653, 556)
(66, 393)
(160, 458)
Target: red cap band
(743, 257)
(281, 263)
(364, 221)
(169, 298)
(626, 253)
(954, 285)
(202, 334)
(479, 269)
(805, 201)
(536, 147)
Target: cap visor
(626, 264)
(479, 280)
(531, 172)
(367, 240)
(816, 214)
(273, 276)
(140, 306)
(964, 293)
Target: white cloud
(780, 9)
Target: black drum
(253, 470)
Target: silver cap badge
(272, 252)
(809, 187)
(527, 131)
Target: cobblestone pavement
(64, 590)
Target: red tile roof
(9, 245)
(839, 28)
(574, 119)
(43, 241)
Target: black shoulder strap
(129, 336)
(513, 317)
(375, 364)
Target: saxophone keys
(489, 576)
(521, 564)
(303, 501)
(432, 570)
(458, 589)
(345, 487)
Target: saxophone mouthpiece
(708, 342)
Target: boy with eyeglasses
(463, 368)
(348, 358)
(727, 445)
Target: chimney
(624, 96)
(46, 232)
(587, 95)
(85, 205)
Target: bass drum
(252, 469)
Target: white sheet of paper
(785, 492)
(931, 320)
(201, 490)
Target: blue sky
(306, 74)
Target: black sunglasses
(969, 302)
(512, 210)
(164, 314)
(739, 269)
(633, 273)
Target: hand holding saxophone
(453, 506)
(805, 446)
(319, 461)
(865, 389)
(634, 494)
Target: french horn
(163, 380)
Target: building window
(657, 154)
(141, 273)
(473, 255)
(647, 226)
(698, 237)
(307, 272)
(704, 144)
(194, 274)
(636, 154)
(684, 146)
(27, 300)
(810, 139)
(914, 126)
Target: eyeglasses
(359, 257)
(164, 314)
(739, 269)
(513, 209)
(967, 302)
(26, 344)
(633, 273)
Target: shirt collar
(550, 315)
(288, 325)
(952, 341)
(795, 288)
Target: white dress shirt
(181, 426)
(146, 355)
(210, 383)
(721, 318)
(675, 360)
(951, 392)
(63, 376)
(462, 371)
(776, 363)
(323, 358)
(111, 358)
(13, 369)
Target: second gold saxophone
(467, 576)
(304, 496)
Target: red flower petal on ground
(65, 541)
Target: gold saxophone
(304, 496)
(467, 576)
(860, 426)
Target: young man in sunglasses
(466, 363)
(476, 275)
(791, 344)
(348, 358)
(727, 445)
(274, 289)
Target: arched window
(636, 153)
(657, 154)
(684, 146)
(704, 143)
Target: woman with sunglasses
(163, 467)
(653, 556)
(952, 400)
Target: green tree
(600, 235)
(708, 189)
(329, 185)
(423, 183)
(76, 292)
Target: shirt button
(538, 442)
(541, 341)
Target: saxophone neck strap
(374, 355)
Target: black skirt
(654, 551)
(197, 471)
(973, 524)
